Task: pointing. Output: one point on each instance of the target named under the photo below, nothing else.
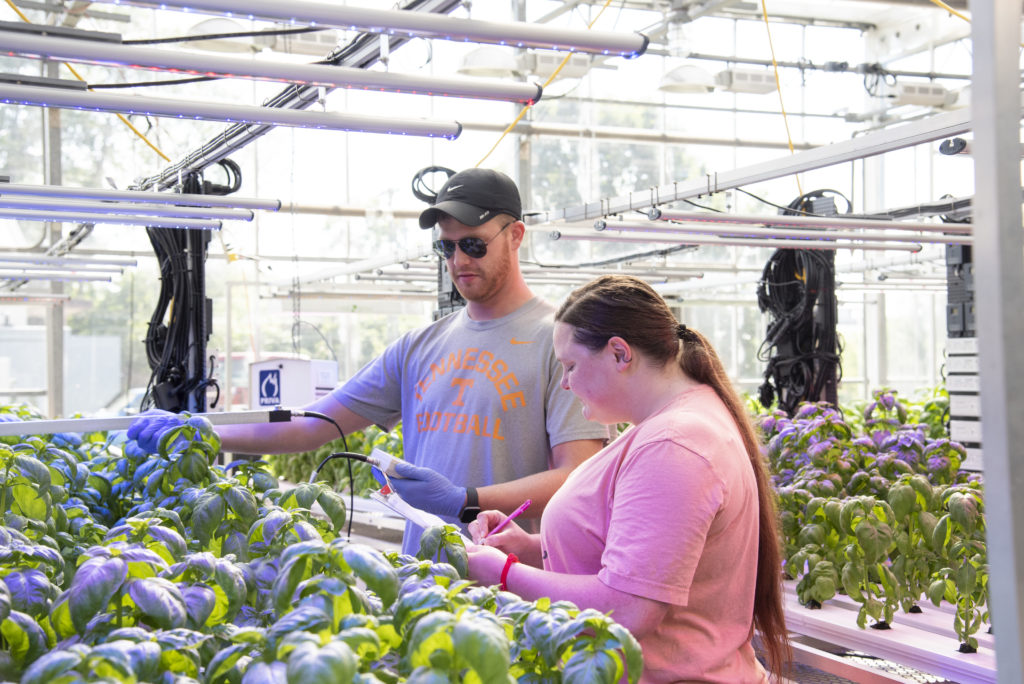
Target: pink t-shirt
(669, 512)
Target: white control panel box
(290, 382)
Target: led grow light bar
(30, 258)
(137, 196)
(54, 275)
(415, 24)
(780, 243)
(805, 221)
(38, 96)
(729, 231)
(113, 219)
(17, 43)
(132, 209)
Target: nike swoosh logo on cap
(454, 187)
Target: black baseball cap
(473, 197)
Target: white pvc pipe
(207, 64)
(39, 96)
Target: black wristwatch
(472, 508)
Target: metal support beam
(945, 125)
(999, 254)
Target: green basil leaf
(260, 672)
(31, 591)
(482, 644)
(334, 506)
(160, 600)
(51, 666)
(200, 601)
(591, 667)
(242, 503)
(334, 663)
(207, 516)
(94, 585)
(371, 567)
(26, 640)
(223, 661)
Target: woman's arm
(638, 614)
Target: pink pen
(512, 516)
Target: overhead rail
(943, 125)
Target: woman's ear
(620, 349)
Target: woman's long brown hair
(627, 307)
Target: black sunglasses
(471, 246)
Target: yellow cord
(955, 13)
(123, 119)
(778, 88)
(950, 10)
(551, 78)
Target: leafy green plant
(963, 581)
(122, 566)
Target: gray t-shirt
(479, 401)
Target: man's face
(480, 279)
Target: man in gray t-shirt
(485, 422)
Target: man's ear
(620, 348)
(518, 230)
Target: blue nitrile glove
(428, 490)
(150, 426)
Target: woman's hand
(511, 538)
(485, 564)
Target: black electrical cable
(792, 210)
(801, 348)
(346, 454)
(215, 36)
(701, 206)
(143, 84)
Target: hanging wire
(123, 119)
(778, 87)
(551, 78)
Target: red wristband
(504, 571)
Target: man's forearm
(539, 488)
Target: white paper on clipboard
(414, 515)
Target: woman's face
(590, 375)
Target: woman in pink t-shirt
(671, 527)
